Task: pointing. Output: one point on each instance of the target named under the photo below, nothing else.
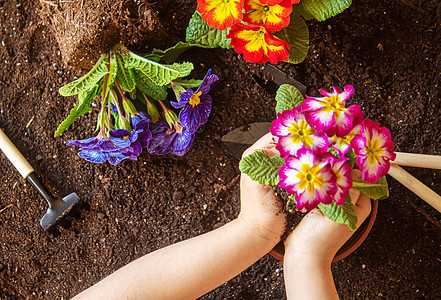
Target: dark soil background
(390, 52)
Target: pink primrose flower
(342, 171)
(295, 133)
(329, 113)
(309, 178)
(374, 148)
(343, 144)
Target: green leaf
(87, 81)
(291, 203)
(342, 214)
(126, 77)
(171, 54)
(376, 191)
(297, 36)
(188, 83)
(352, 157)
(299, 10)
(261, 168)
(323, 9)
(159, 74)
(287, 98)
(81, 107)
(149, 88)
(201, 34)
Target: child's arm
(310, 249)
(193, 267)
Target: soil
(389, 51)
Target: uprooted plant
(320, 141)
(123, 80)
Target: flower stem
(115, 101)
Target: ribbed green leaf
(287, 98)
(200, 33)
(376, 191)
(297, 36)
(261, 168)
(188, 83)
(87, 81)
(126, 77)
(159, 74)
(323, 9)
(171, 54)
(81, 107)
(342, 214)
(148, 87)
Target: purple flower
(164, 140)
(119, 145)
(98, 156)
(101, 141)
(196, 106)
(140, 123)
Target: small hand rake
(57, 207)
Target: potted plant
(320, 140)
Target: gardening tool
(57, 207)
(274, 77)
(239, 139)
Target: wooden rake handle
(417, 160)
(416, 186)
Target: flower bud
(177, 89)
(123, 123)
(129, 108)
(153, 112)
(103, 120)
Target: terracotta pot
(350, 246)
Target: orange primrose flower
(274, 17)
(274, 2)
(221, 14)
(257, 44)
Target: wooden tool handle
(417, 160)
(416, 186)
(12, 153)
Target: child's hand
(260, 207)
(318, 238)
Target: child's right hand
(317, 238)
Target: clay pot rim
(350, 246)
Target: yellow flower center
(195, 99)
(374, 151)
(310, 178)
(126, 137)
(301, 132)
(266, 7)
(335, 104)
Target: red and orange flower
(274, 17)
(221, 14)
(274, 2)
(257, 44)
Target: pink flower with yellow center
(374, 150)
(274, 17)
(221, 14)
(310, 179)
(342, 171)
(329, 113)
(295, 133)
(257, 44)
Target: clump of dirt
(86, 28)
